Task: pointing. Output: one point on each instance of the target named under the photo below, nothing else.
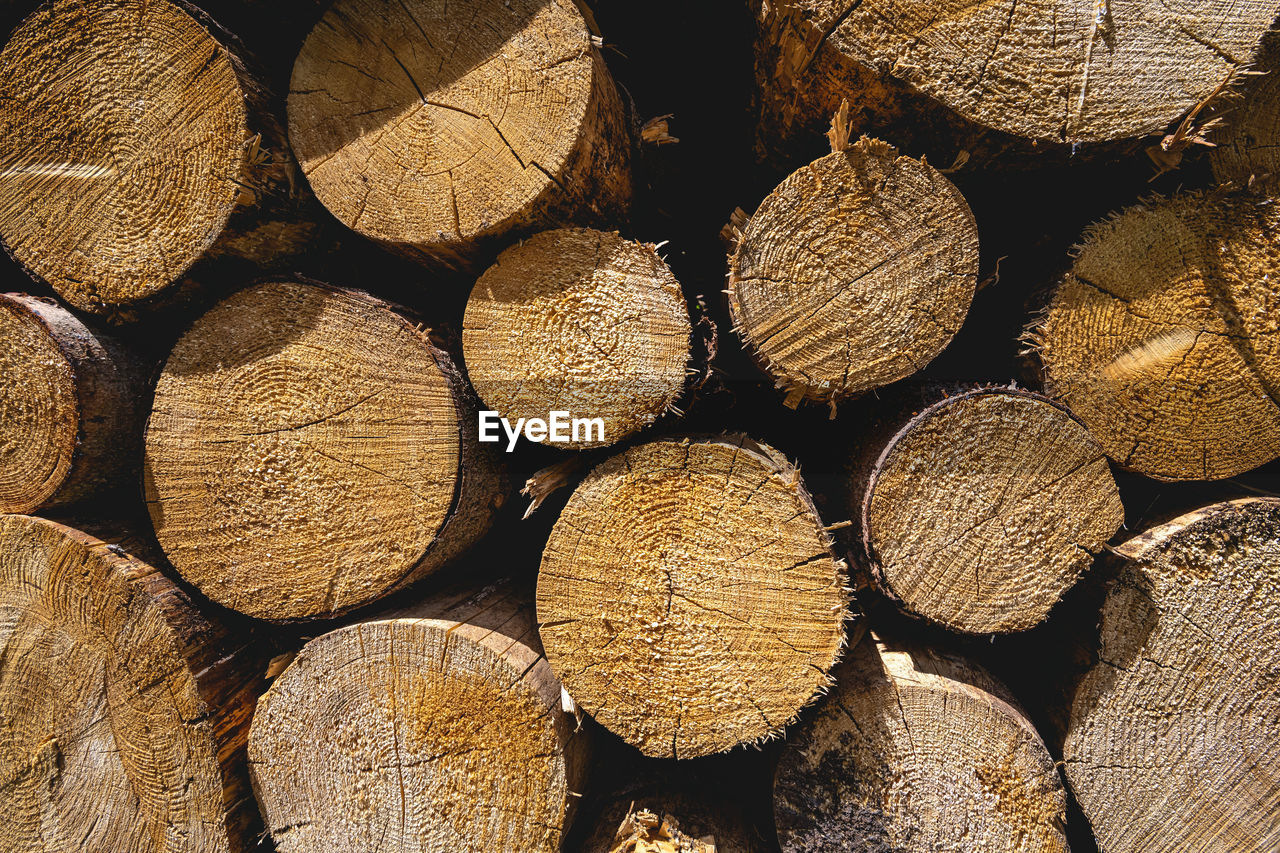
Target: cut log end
(689, 598)
(306, 453)
(430, 125)
(915, 752)
(644, 830)
(70, 407)
(985, 508)
(419, 733)
(112, 737)
(855, 272)
(39, 409)
(583, 322)
(673, 818)
(1163, 338)
(1246, 150)
(107, 203)
(1182, 704)
(1054, 72)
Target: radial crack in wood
(1164, 339)
(1048, 70)
(135, 143)
(1171, 740)
(436, 728)
(984, 508)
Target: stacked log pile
(900, 445)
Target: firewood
(440, 727)
(1163, 337)
(583, 322)
(855, 272)
(1060, 73)
(643, 831)
(689, 597)
(123, 710)
(982, 508)
(70, 407)
(1171, 740)
(917, 751)
(436, 128)
(310, 450)
(137, 150)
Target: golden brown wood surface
(689, 598)
(71, 407)
(917, 751)
(138, 150)
(983, 507)
(1164, 340)
(1044, 70)
(437, 128)
(1171, 739)
(438, 727)
(123, 709)
(310, 450)
(582, 322)
(855, 272)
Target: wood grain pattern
(433, 127)
(689, 598)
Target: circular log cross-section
(123, 713)
(1052, 70)
(1163, 338)
(309, 451)
(984, 508)
(69, 410)
(582, 322)
(431, 126)
(128, 136)
(917, 752)
(426, 732)
(689, 598)
(855, 272)
(1171, 740)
